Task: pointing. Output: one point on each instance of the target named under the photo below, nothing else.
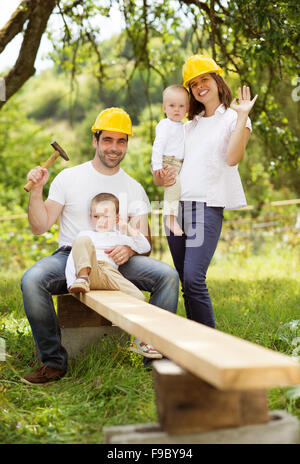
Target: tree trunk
(37, 12)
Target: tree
(31, 15)
(258, 42)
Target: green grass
(254, 298)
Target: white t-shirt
(169, 141)
(205, 176)
(75, 187)
(105, 241)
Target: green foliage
(257, 41)
(257, 44)
(106, 386)
(253, 40)
(62, 103)
(290, 334)
(137, 164)
(19, 248)
(23, 145)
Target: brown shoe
(43, 375)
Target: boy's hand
(120, 254)
(127, 228)
(169, 176)
(123, 226)
(162, 172)
(165, 176)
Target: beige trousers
(103, 276)
(172, 194)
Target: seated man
(70, 192)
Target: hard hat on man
(113, 119)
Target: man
(69, 195)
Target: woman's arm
(238, 142)
(240, 136)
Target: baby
(168, 149)
(89, 267)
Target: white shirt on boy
(76, 186)
(104, 241)
(169, 141)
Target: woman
(215, 140)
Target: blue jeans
(192, 254)
(47, 278)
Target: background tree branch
(15, 23)
(255, 44)
(37, 13)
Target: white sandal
(137, 346)
(80, 285)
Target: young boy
(89, 267)
(168, 149)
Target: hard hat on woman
(197, 65)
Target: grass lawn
(254, 298)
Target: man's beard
(111, 163)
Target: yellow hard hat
(113, 119)
(197, 65)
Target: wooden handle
(28, 186)
(51, 160)
(46, 165)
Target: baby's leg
(116, 281)
(170, 209)
(85, 260)
(172, 224)
(171, 199)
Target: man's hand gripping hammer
(58, 152)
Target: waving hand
(245, 103)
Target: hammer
(58, 152)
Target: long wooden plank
(225, 361)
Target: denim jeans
(47, 278)
(192, 254)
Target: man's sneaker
(43, 375)
(137, 346)
(80, 285)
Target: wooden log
(224, 361)
(187, 404)
(73, 313)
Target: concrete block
(76, 339)
(283, 428)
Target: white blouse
(205, 176)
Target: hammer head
(60, 150)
